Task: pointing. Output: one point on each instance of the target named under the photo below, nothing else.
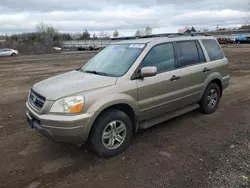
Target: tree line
(147, 31)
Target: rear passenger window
(161, 56)
(189, 53)
(213, 49)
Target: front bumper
(61, 128)
(225, 82)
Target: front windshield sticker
(137, 46)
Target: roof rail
(170, 35)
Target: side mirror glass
(148, 72)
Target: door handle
(206, 69)
(175, 78)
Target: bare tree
(193, 29)
(206, 30)
(106, 35)
(42, 41)
(47, 37)
(46, 29)
(148, 31)
(85, 35)
(138, 33)
(94, 36)
(116, 33)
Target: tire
(13, 54)
(103, 125)
(207, 106)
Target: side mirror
(148, 72)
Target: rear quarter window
(213, 49)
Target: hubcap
(114, 134)
(212, 98)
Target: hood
(71, 83)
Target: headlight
(72, 104)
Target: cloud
(79, 20)
(125, 15)
(224, 17)
(47, 5)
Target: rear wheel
(210, 99)
(111, 133)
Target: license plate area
(30, 120)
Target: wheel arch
(219, 83)
(213, 78)
(124, 107)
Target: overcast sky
(124, 15)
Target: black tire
(13, 54)
(204, 106)
(101, 123)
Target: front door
(159, 94)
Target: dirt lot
(193, 150)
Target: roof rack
(169, 35)
(123, 38)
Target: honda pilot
(129, 85)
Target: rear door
(191, 62)
(159, 94)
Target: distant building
(186, 30)
(245, 27)
(181, 30)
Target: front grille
(36, 100)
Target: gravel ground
(193, 150)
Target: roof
(162, 39)
(137, 41)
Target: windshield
(114, 60)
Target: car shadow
(84, 158)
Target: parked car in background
(81, 48)
(94, 47)
(225, 41)
(129, 85)
(57, 48)
(90, 48)
(8, 52)
(242, 40)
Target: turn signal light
(77, 108)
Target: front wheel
(111, 133)
(210, 99)
(13, 54)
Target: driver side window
(162, 57)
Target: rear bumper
(61, 128)
(225, 82)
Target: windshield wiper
(98, 73)
(91, 72)
(78, 69)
